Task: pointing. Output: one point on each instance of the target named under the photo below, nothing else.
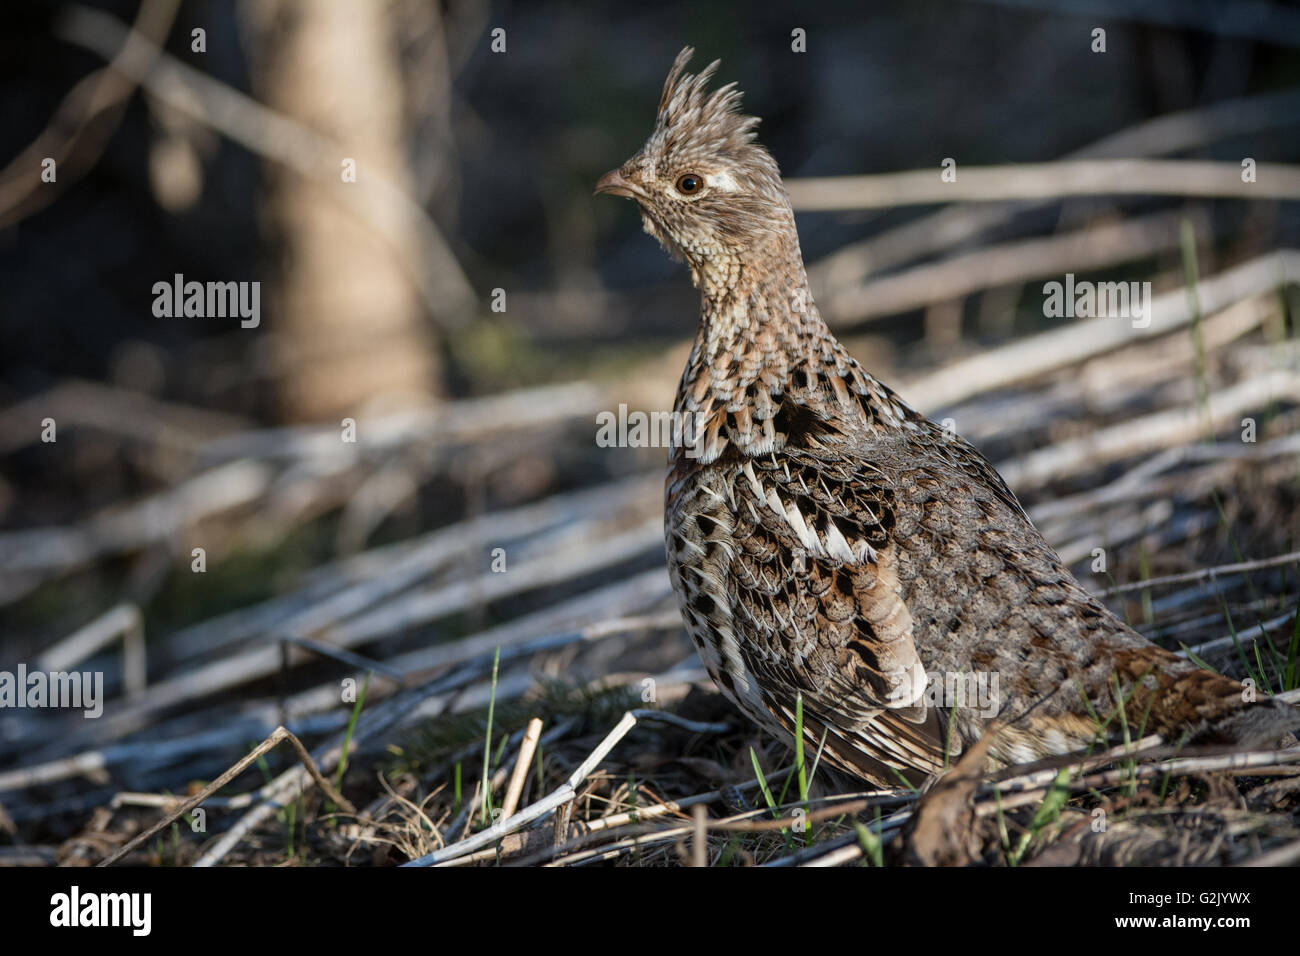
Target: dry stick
(393, 486)
(358, 661)
(809, 854)
(1205, 574)
(556, 733)
(527, 747)
(129, 414)
(125, 620)
(447, 293)
(91, 763)
(1119, 377)
(743, 822)
(352, 584)
(276, 796)
(573, 555)
(1105, 379)
(639, 815)
(270, 742)
(128, 798)
(517, 638)
(214, 731)
(1278, 771)
(465, 421)
(1171, 133)
(1148, 513)
(845, 854)
(1008, 263)
(536, 535)
(372, 721)
(1049, 351)
(559, 624)
(1145, 748)
(1137, 525)
(1137, 480)
(740, 825)
(1162, 429)
(699, 835)
(694, 726)
(44, 553)
(1140, 479)
(618, 820)
(611, 850)
(461, 822)
(118, 529)
(239, 801)
(1282, 856)
(536, 810)
(94, 763)
(1079, 177)
(1244, 637)
(500, 691)
(1219, 464)
(579, 558)
(663, 808)
(737, 822)
(236, 480)
(1245, 760)
(22, 190)
(1136, 513)
(388, 714)
(1174, 606)
(1061, 519)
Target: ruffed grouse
(824, 538)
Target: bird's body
(826, 540)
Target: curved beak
(614, 183)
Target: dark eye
(689, 184)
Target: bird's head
(706, 190)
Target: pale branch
(1054, 180)
(1010, 263)
(953, 225)
(239, 767)
(1084, 338)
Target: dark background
(883, 86)
(502, 151)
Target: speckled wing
(789, 559)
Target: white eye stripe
(722, 181)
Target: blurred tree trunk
(345, 319)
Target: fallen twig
(239, 767)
